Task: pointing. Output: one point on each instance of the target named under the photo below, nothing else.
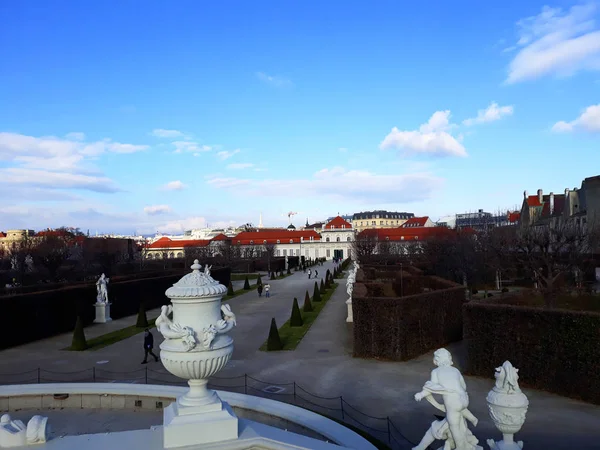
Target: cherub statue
(171, 330)
(207, 270)
(102, 288)
(448, 382)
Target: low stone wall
(557, 349)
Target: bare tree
(229, 252)
(364, 247)
(269, 254)
(52, 250)
(19, 253)
(551, 251)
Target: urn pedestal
(350, 317)
(195, 348)
(102, 312)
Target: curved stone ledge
(125, 396)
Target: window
(387, 238)
(265, 241)
(238, 242)
(291, 241)
(381, 222)
(373, 222)
(343, 227)
(401, 238)
(348, 238)
(180, 255)
(326, 239)
(251, 242)
(338, 239)
(278, 241)
(306, 253)
(328, 253)
(284, 252)
(278, 252)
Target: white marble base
(185, 426)
(102, 312)
(503, 445)
(350, 317)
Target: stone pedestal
(102, 312)
(350, 318)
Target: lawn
(291, 336)
(115, 336)
(242, 276)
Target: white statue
(171, 330)
(207, 271)
(102, 288)
(14, 433)
(507, 406)
(448, 382)
(349, 289)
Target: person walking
(267, 290)
(309, 273)
(316, 273)
(259, 289)
(148, 346)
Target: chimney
(551, 203)
(540, 196)
(525, 195)
(566, 192)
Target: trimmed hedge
(555, 350)
(402, 328)
(296, 317)
(307, 304)
(78, 343)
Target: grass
(242, 276)
(292, 336)
(114, 336)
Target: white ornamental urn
(196, 347)
(507, 406)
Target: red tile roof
(284, 236)
(415, 222)
(220, 237)
(164, 242)
(559, 205)
(514, 216)
(408, 234)
(533, 200)
(2, 234)
(338, 223)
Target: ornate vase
(196, 347)
(507, 406)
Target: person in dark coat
(148, 346)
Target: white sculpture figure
(507, 406)
(448, 382)
(102, 288)
(14, 433)
(207, 271)
(171, 330)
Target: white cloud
(237, 166)
(55, 180)
(556, 42)
(589, 120)
(432, 138)
(491, 114)
(273, 80)
(162, 133)
(190, 223)
(190, 146)
(174, 186)
(75, 136)
(341, 184)
(226, 154)
(157, 209)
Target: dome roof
(291, 227)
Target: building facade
(379, 219)
(480, 220)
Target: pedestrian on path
(148, 346)
(259, 289)
(316, 273)
(267, 290)
(309, 273)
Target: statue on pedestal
(102, 288)
(448, 382)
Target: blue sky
(123, 116)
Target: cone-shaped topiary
(289, 272)
(142, 320)
(230, 289)
(246, 284)
(272, 275)
(78, 343)
(307, 304)
(316, 293)
(296, 318)
(322, 287)
(258, 281)
(327, 278)
(274, 341)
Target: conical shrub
(79, 342)
(142, 320)
(289, 272)
(258, 281)
(274, 341)
(296, 318)
(316, 293)
(307, 304)
(322, 289)
(230, 289)
(327, 278)
(246, 284)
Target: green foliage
(246, 284)
(307, 304)
(142, 320)
(296, 317)
(259, 281)
(79, 342)
(316, 293)
(322, 288)
(274, 341)
(289, 272)
(230, 290)
(327, 278)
